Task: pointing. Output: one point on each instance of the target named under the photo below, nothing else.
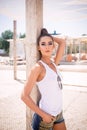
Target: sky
(67, 17)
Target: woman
(48, 115)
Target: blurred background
(62, 18)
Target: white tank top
(51, 94)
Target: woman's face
(46, 46)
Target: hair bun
(44, 31)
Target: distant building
(20, 50)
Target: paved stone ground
(13, 110)
(12, 113)
(75, 108)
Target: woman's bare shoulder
(37, 68)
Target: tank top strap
(58, 71)
(43, 63)
(54, 65)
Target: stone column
(34, 22)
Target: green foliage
(7, 34)
(4, 44)
(1, 45)
(22, 35)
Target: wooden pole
(14, 40)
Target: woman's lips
(47, 51)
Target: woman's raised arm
(60, 50)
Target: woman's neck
(47, 60)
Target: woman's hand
(48, 118)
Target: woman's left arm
(60, 51)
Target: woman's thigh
(59, 126)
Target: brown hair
(43, 33)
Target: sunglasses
(59, 82)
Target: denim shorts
(39, 124)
